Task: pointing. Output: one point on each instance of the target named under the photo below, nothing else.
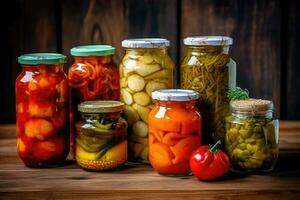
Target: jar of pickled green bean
(209, 69)
(251, 139)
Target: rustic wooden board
(156, 18)
(28, 26)
(93, 22)
(291, 66)
(140, 182)
(254, 25)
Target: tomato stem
(214, 147)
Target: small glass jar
(42, 110)
(93, 76)
(208, 69)
(175, 131)
(146, 67)
(252, 136)
(101, 142)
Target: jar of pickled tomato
(252, 134)
(101, 142)
(208, 68)
(92, 76)
(175, 131)
(42, 110)
(146, 67)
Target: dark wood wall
(265, 36)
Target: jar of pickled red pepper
(101, 142)
(175, 131)
(208, 69)
(42, 110)
(146, 67)
(252, 136)
(93, 76)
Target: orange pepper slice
(172, 138)
(160, 155)
(184, 148)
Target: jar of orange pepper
(175, 131)
(93, 76)
(42, 110)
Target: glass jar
(175, 131)
(252, 136)
(146, 67)
(93, 76)
(42, 110)
(208, 69)
(101, 142)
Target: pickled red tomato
(41, 109)
(39, 128)
(52, 148)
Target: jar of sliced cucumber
(252, 136)
(101, 142)
(146, 67)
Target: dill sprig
(237, 93)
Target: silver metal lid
(208, 40)
(146, 43)
(175, 95)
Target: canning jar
(252, 136)
(175, 131)
(101, 142)
(208, 69)
(92, 76)
(42, 110)
(146, 67)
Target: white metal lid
(208, 40)
(175, 95)
(146, 43)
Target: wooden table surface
(141, 182)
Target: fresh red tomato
(209, 163)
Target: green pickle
(251, 143)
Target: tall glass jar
(146, 67)
(252, 134)
(101, 142)
(208, 69)
(175, 131)
(42, 110)
(92, 76)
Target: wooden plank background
(264, 31)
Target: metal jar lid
(100, 106)
(175, 95)
(251, 106)
(145, 43)
(208, 41)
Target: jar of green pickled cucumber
(101, 142)
(145, 67)
(208, 68)
(252, 136)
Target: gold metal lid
(100, 106)
(251, 106)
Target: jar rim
(41, 58)
(175, 95)
(254, 106)
(93, 50)
(208, 41)
(100, 106)
(146, 43)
